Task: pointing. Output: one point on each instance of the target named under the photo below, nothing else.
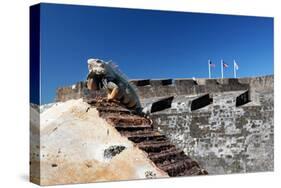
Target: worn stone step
(140, 136)
(132, 120)
(155, 146)
(97, 103)
(112, 110)
(141, 133)
(132, 126)
(168, 154)
(178, 167)
(129, 128)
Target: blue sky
(149, 44)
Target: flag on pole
(236, 65)
(235, 68)
(212, 64)
(225, 65)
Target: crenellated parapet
(148, 88)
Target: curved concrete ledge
(161, 82)
(212, 82)
(141, 82)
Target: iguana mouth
(94, 81)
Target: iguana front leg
(91, 84)
(113, 95)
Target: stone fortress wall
(225, 124)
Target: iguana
(106, 75)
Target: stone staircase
(140, 130)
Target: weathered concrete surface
(222, 137)
(74, 146)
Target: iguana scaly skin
(115, 82)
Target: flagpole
(221, 68)
(209, 66)
(234, 68)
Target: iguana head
(96, 73)
(97, 66)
